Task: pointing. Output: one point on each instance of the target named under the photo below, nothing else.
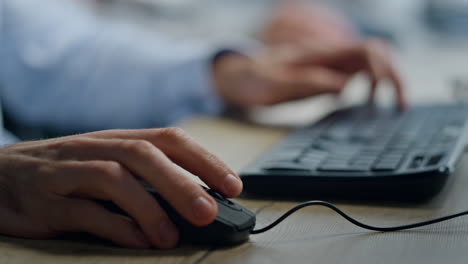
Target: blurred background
(429, 37)
(212, 21)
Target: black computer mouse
(232, 225)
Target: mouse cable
(354, 221)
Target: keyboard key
(364, 165)
(305, 160)
(364, 159)
(388, 161)
(434, 160)
(283, 156)
(315, 153)
(416, 162)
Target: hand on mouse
(294, 71)
(48, 186)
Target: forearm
(113, 96)
(93, 77)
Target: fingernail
(142, 240)
(232, 185)
(168, 233)
(202, 208)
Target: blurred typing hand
(294, 71)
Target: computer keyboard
(365, 152)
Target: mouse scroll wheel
(216, 195)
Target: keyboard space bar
(325, 168)
(285, 167)
(344, 168)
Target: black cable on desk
(354, 221)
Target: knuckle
(174, 133)
(109, 171)
(210, 157)
(375, 47)
(188, 187)
(138, 146)
(47, 170)
(74, 143)
(73, 147)
(217, 163)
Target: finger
(372, 57)
(372, 92)
(375, 71)
(107, 180)
(187, 153)
(76, 215)
(382, 62)
(398, 84)
(147, 162)
(366, 57)
(375, 63)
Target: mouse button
(248, 223)
(248, 212)
(238, 219)
(232, 205)
(216, 195)
(224, 206)
(223, 200)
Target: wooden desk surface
(313, 235)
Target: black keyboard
(365, 152)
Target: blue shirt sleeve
(65, 69)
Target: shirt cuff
(193, 87)
(207, 100)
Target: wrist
(229, 70)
